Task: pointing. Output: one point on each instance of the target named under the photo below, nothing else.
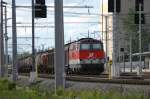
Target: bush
(7, 85)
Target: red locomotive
(85, 55)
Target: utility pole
(1, 42)
(59, 45)
(14, 42)
(140, 43)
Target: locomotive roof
(87, 40)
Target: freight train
(85, 55)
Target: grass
(8, 90)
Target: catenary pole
(131, 52)
(114, 68)
(33, 42)
(106, 39)
(59, 45)
(1, 43)
(102, 21)
(6, 43)
(33, 72)
(140, 43)
(14, 42)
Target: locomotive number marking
(91, 55)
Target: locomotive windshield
(96, 46)
(85, 47)
(91, 47)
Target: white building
(109, 28)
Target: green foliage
(128, 23)
(7, 85)
(132, 30)
(34, 92)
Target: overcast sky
(78, 21)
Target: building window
(137, 2)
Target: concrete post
(114, 58)
(33, 73)
(14, 42)
(59, 45)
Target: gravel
(49, 84)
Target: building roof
(143, 54)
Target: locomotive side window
(96, 46)
(85, 46)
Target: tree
(132, 34)
(131, 30)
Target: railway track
(72, 75)
(98, 79)
(144, 75)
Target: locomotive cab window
(96, 46)
(85, 47)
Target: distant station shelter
(146, 56)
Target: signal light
(40, 11)
(42, 2)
